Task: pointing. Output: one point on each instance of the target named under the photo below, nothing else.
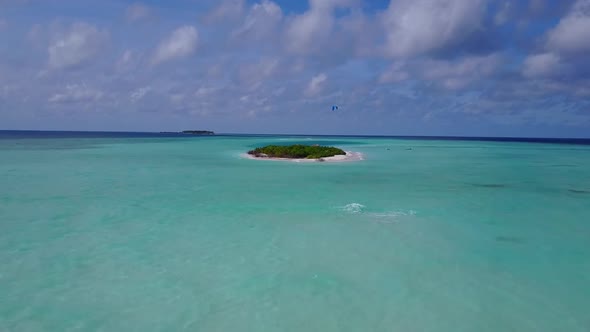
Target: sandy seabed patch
(350, 156)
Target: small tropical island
(297, 151)
(300, 152)
(198, 132)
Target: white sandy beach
(350, 156)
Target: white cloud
(261, 21)
(567, 46)
(503, 14)
(126, 60)
(75, 93)
(450, 74)
(36, 36)
(536, 6)
(316, 85)
(227, 10)
(246, 61)
(331, 4)
(413, 27)
(205, 91)
(177, 98)
(139, 93)
(579, 88)
(395, 73)
(362, 33)
(304, 31)
(75, 46)
(253, 75)
(137, 11)
(458, 74)
(307, 33)
(181, 43)
(572, 34)
(542, 65)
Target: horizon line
(291, 134)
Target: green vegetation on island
(297, 151)
(198, 132)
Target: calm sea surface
(148, 232)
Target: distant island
(198, 132)
(297, 151)
(190, 132)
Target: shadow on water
(510, 239)
(578, 191)
(489, 185)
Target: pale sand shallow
(350, 156)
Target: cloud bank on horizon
(398, 67)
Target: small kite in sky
(334, 108)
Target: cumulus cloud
(75, 93)
(177, 98)
(139, 93)
(181, 43)
(316, 85)
(536, 6)
(397, 72)
(414, 27)
(450, 74)
(137, 11)
(205, 91)
(308, 32)
(304, 31)
(252, 75)
(261, 56)
(542, 66)
(566, 47)
(571, 35)
(75, 46)
(459, 73)
(126, 60)
(227, 10)
(261, 21)
(503, 14)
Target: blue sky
(399, 67)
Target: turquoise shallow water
(171, 234)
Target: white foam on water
(382, 217)
(394, 214)
(353, 208)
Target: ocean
(170, 232)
